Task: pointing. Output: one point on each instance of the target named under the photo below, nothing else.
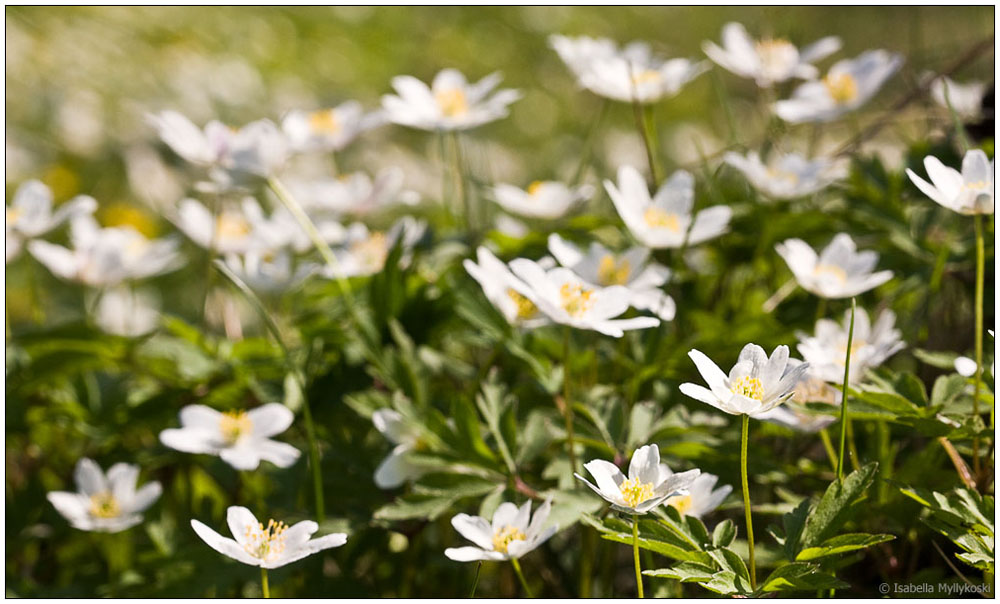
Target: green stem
(980, 275)
(588, 545)
(263, 583)
(568, 405)
(821, 309)
(824, 435)
(588, 143)
(520, 575)
(463, 198)
(746, 500)
(475, 581)
(844, 419)
(635, 554)
(641, 127)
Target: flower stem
(460, 192)
(263, 583)
(824, 435)
(746, 499)
(568, 405)
(844, 419)
(980, 275)
(475, 581)
(635, 554)
(520, 575)
(641, 127)
(588, 143)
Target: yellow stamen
(661, 219)
(231, 225)
(372, 252)
(12, 215)
(681, 503)
(776, 174)
(534, 187)
(646, 76)
(452, 102)
(324, 122)
(503, 537)
(832, 270)
(843, 88)
(122, 214)
(613, 273)
(635, 491)
(749, 387)
(265, 542)
(234, 424)
(975, 186)
(576, 299)
(526, 309)
(104, 505)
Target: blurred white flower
(271, 546)
(102, 503)
(966, 99)
(967, 192)
(648, 485)
(872, 344)
(542, 199)
(808, 389)
(504, 290)
(564, 297)
(395, 470)
(30, 215)
(702, 496)
(513, 533)
(839, 271)
(240, 438)
(271, 272)
(787, 175)
(449, 103)
(756, 384)
(965, 366)
(128, 312)
(630, 74)
(849, 84)
(767, 61)
(103, 257)
(364, 252)
(234, 229)
(632, 269)
(664, 220)
(328, 129)
(355, 193)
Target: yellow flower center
(230, 226)
(635, 491)
(774, 53)
(856, 345)
(324, 122)
(372, 252)
(681, 503)
(832, 270)
(814, 390)
(452, 102)
(977, 185)
(503, 536)
(749, 387)
(104, 505)
(122, 214)
(12, 215)
(264, 542)
(234, 424)
(534, 187)
(646, 76)
(576, 299)
(610, 272)
(526, 309)
(661, 219)
(776, 174)
(843, 88)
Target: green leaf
(453, 485)
(415, 506)
(685, 572)
(842, 544)
(832, 509)
(799, 576)
(724, 533)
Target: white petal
(223, 545)
(270, 419)
(471, 554)
(280, 454)
(645, 464)
(89, 478)
(474, 528)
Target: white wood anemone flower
(513, 533)
(328, 129)
(449, 103)
(872, 345)
(809, 389)
(664, 220)
(633, 73)
(364, 252)
(565, 298)
(396, 469)
(128, 312)
(105, 503)
(542, 199)
(504, 290)
(270, 272)
(848, 85)
(106, 257)
(355, 193)
(234, 229)
(30, 215)
(969, 192)
(756, 384)
(787, 175)
(966, 99)
(648, 485)
(702, 496)
(240, 438)
(839, 271)
(769, 60)
(631, 269)
(270, 546)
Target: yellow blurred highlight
(123, 214)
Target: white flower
(107, 504)
(755, 384)
(632, 73)
(395, 470)
(965, 366)
(787, 175)
(102, 257)
(364, 252)
(966, 99)
(355, 193)
(849, 84)
(328, 129)
(967, 192)
(128, 312)
(270, 272)
(513, 533)
(234, 229)
(564, 297)
(768, 61)
(648, 485)
(271, 546)
(839, 271)
(542, 199)
(30, 215)
(600, 266)
(702, 496)
(504, 290)
(664, 220)
(794, 414)
(872, 344)
(240, 438)
(450, 103)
